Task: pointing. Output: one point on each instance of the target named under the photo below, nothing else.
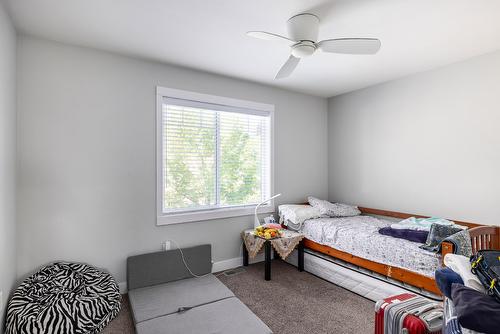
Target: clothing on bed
(420, 224)
(461, 265)
(437, 234)
(359, 236)
(445, 277)
(476, 310)
(333, 209)
(461, 243)
(411, 235)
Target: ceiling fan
(303, 33)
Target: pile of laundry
(470, 286)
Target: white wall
(86, 138)
(7, 158)
(428, 143)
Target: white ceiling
(209, 35)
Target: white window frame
(209, 214)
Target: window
(214, 156)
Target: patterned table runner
(284, 245)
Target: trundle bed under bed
(482, 237)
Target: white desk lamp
(257, 222)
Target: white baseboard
(235, 262)
(227, 264)
(216, 267)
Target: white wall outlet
(166, 245)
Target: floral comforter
(359, 236)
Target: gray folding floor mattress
(166, 299)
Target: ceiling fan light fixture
(303, 49)
(303, 41)
(303, 27)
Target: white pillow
(297, 214)
(334, 209)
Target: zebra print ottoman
(64, 298)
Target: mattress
(359, 236)
(227, 316)
(158, 300)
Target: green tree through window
(213, 158)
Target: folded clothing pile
(431, 232)
(407, 234)
(473, 308)
(414, 229)
(293, 215)
(456, 234)
(420, 224)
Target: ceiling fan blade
(287, 68)
(268, 36)
(358, 46)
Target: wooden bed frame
(482, 237)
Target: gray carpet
(292, 302)
(123, 323)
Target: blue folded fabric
(412, 235)
(475, 310)
(445, 277)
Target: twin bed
(356, 240)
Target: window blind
(213, 156)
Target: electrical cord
(189, 269)
(185, 263)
